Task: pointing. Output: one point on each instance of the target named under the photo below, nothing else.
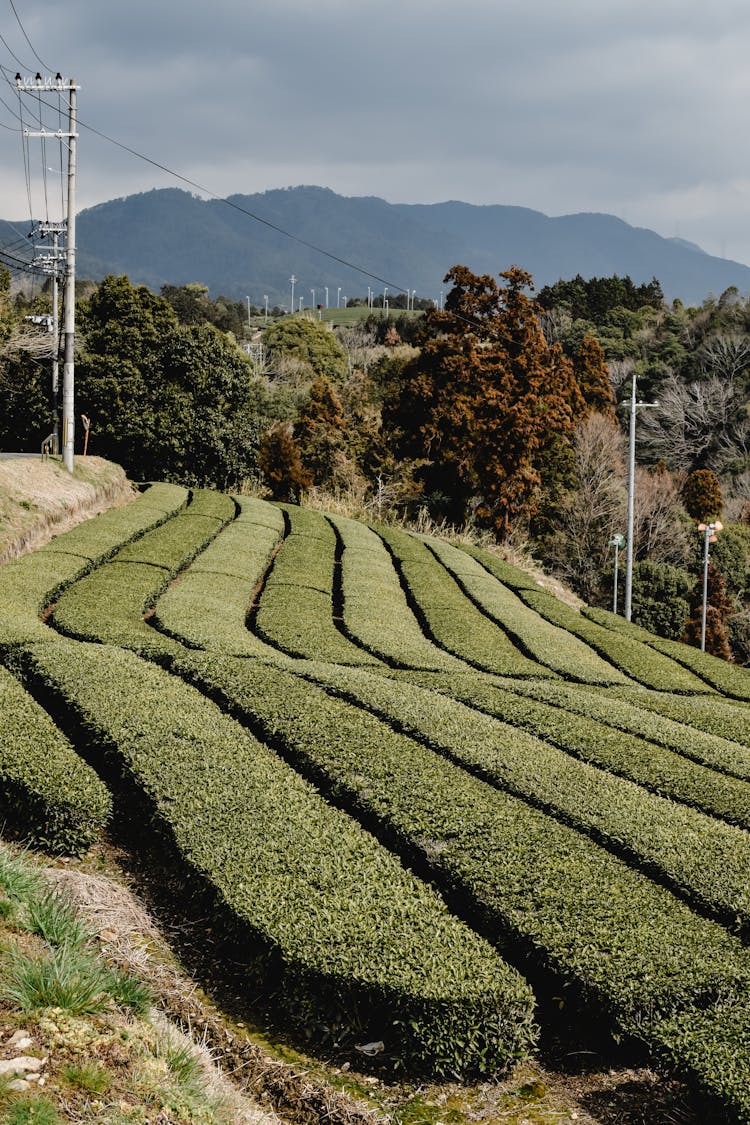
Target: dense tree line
(500, 410)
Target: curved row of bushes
(642, 663)
(448, 617)
(376, 612)
(705, 859)
(608, 933)
(707, 714)
(295, 611)
(210, 603)
(107, 605)
(48, 795)
(730, 679)
(544, 642)
(323, 916)
(32, 582)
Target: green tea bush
(48, 795)
(376, 612)
(448, 616)
(607, 932)
(29, 584)
(542, 641)
(712, 715)
(704, 858)
(295, 611)
(357, 942)
(730, 679)
(637, 660)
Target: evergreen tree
(319, 431)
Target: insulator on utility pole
(57, 84)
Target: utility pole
(634, 407)
(50, 263)
(293, 280)
(38, 85)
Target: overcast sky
(633, 107)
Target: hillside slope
(410, 793)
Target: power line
(23, 32)
(243, 210)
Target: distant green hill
(170, 236)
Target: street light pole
(616, 541)
(709, 536)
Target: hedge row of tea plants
(295, 611)
(48, 795)
(31, 582)
(705, 859)
(710, 714)
(98, 538)
(538, 638)
(509, 575)
(613, 733)
(209, 604)
(108, 604)
(608, 933)
(446, 614)
(642, 663)
(328, 920)
(730, 679)
(376, 611)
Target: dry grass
(40, 499)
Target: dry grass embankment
(39, 499)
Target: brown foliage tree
(281, 465)
(702, 495)
(488, 402)
(593, 379)
(319, 431)
(719, 608)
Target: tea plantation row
(591, 828)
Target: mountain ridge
(239, 247)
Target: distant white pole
(248, 311)
(292, 279)
(265, 298)
(338, 297)
(326, 289)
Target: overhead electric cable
(13, 54)
(23, 32)
(244, 210)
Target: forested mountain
(169, 236)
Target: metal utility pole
(50, 263)
(293, 280)
(616, 541)
(709, 536)
(634, 407)
(57, 84)
(68, 406)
